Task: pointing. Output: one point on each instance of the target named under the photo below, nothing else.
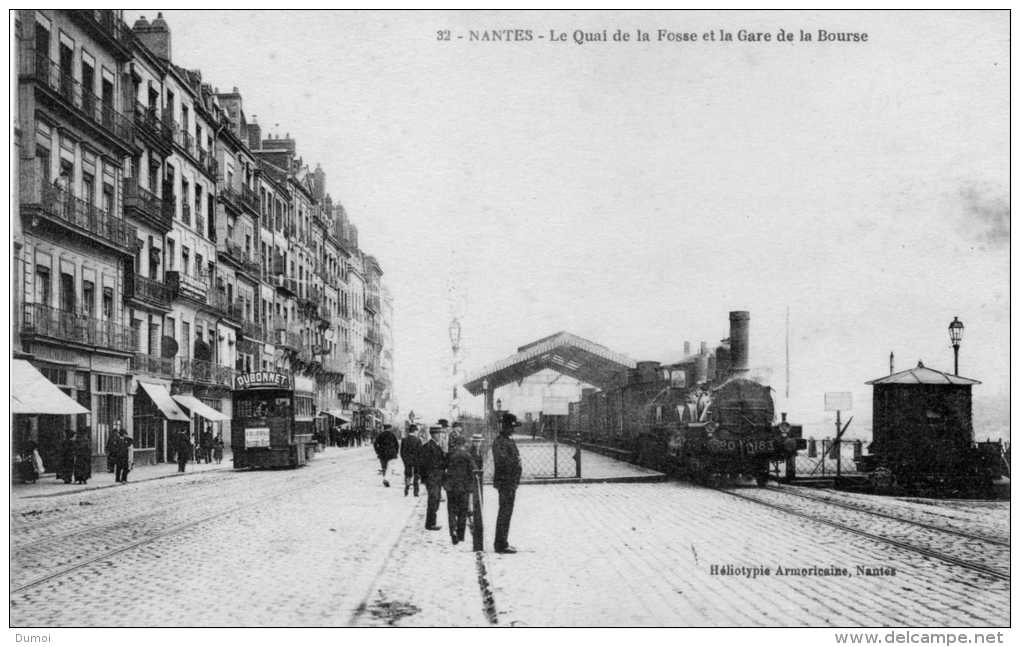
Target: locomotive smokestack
(739, 328)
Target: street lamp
(955, 334)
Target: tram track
(951, 531)
(903, 545)
(172, 530)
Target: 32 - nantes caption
(582, 36)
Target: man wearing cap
(410, 453)
(505, 477)
(460, 475)
(432, 463)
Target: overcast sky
(635, 193)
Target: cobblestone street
(327, 545)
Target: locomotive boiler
(704, 418)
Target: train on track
(272, 422)
(704, 418)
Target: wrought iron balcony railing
(61, 207)
(45, 321)
(253, 330)
(151, 365)
(79, 99)
(107, 24)
(249, 199)
(148, 121)
(146, 204)
(203, 371)
(139, 287)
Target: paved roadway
(327, 545)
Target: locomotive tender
(704, 418)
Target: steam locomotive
(703, 418)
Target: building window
(88, 298)
(185, 259)
(108, 407)
(67, 299)
(108, 303)
(43, 285)
(171, 254)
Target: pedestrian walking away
(218, 449)
(410, 451)
(83, 456)
(183, 449)
(386, 449)
(433, 466)
(460, 475)
(506, 476)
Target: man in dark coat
(432, 463)
(183, 448)
(386, 449)
(83, 456)
(506, 476)
(460, 479)
(410, 449)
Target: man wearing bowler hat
(432, 463)
(506, 477)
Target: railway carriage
(272, 424)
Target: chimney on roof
(254, 134)
(155, 36)
(891, 364)
(235, 90)
(687, 348)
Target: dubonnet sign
(262, 380)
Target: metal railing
(45, 321)
(146, 202)
(206, 372)
(207, 161)
(146, 289)
(108, 23)
(60, 81)
(253, 330)
(150, 365)
(226, 307)
(148, 120)
(62, 206)
(249, 198)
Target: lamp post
(955, 335)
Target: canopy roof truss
(564, 352)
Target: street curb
(104, 487)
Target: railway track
(174, 529)
(951, 531)
(921, 550)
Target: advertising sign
(262, 380)
(256, 437)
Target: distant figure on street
(65, 467)
(183, 449)
(460, 478)
(410, 453)
(217, 449)
(433, 467)
(386, 447)
(83, 456)
(206, 443)
(506, 476)
(111, 443)
(123, 454)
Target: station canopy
(564, 352)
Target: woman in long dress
(83, 456)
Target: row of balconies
(229, 308)
(146, 205)
(106, 25)
(148, 121)
(61, 207)
(68, 91)
(41, 320)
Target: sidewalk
(49, 485)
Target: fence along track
(173, 530)
(971, 566)
(885, 515)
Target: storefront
(157, 418)
(42, 413)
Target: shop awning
(336, 413)
(31, 392)
(161, 398)
(200, 408)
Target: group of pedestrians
(346, 436)
(455, 471)
(76, 456)
(209, 447)
(120, 454)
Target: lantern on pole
(955, 335)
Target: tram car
(273, 420)
(704, 419)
